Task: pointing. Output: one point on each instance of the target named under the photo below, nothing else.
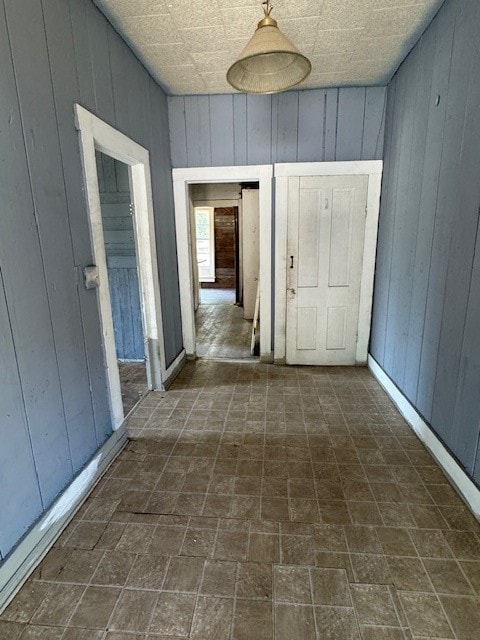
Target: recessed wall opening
(122, 266)
(225, 266)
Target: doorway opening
(183, 179)
(225, 268)
(122, 266)
(97, 136)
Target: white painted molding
(174, 369)
(98, 135)
(182, 179)
(354, 167)
(465, 487)
(282, 172)
(36, 544)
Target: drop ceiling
(187, 45)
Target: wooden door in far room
(325, 244)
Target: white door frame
(370, 168)
(182, 179)
(98, 135)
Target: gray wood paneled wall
(426, 318)
(296, 126)
(53, 396)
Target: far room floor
(222, 331)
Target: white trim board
(94, 135)
(372, 169)
(36, 544)
(174, 369)
(182, 179)
(465, 487)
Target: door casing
(95, 134)
(182, 179)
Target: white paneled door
(325, 243)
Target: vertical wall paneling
(240, 128)
(66, 90)
(379, 309)
(285, 126)
(403, 238)
(163, 201)
(350, 122)
(121, 91)
(425, 333)
(380, 294)
(80, 26)
(456, 99)
(221, 127)
(312, 125)
(100, 56)
(259, 129)
(197, 116)
(374, 123)
(466, 414)
(18, 475)
(38, 115)
(430, 118)
(459, 274)
(65, 52)
(331, 111)
(178, 139)
(388, 223)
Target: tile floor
(256, 502)
(133, 382)
(222, 331)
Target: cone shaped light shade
(269, 63)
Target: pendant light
(270, 62)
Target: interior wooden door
(325, 240)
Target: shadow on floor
(133, 382)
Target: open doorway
(225, 265)
(122, 266)
(97, 136)
(183, 179)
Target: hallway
(222, 331)
(262, 502)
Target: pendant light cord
(267, 8)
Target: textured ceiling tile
(208, 60)
(147, 30)
(344, 14)
(300, 31)
(337, 40)
(282, 9)
(397, 21)
(167, 55)
(241, 22)
(127, 8)
(200, 39)
(184, 76)
(186, 13)
(188, 45)
(217, 82)
(331, 63)
(369, 48)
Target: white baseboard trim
(457, 476)
(174, 369)
(38, 541)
